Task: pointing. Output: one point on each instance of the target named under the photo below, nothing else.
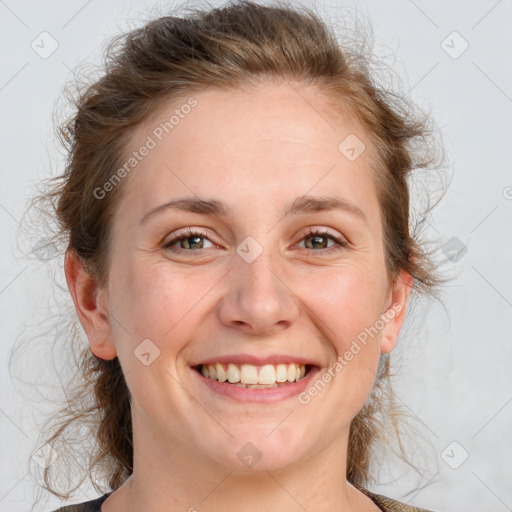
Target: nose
(257, 299)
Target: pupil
(192, 238)
(316, 238)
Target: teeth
(282, 373)
(256, 386)
(233, 373)
(248, 375)
(267, 375)
(221, 374)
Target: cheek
(153, 302)
(154, 317)
(347, 300)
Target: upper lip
(256, 360)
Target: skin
(291, 300)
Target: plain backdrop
(455, 377)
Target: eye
(190, 241)
(316, 236)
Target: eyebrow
(301, 205)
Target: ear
(394, 312)
(91, 311)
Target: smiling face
(247, 280)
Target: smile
(277, 386)
(254, 377)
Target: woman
(237, 211)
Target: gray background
(455, 374)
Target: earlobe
(395, 311)
(91, 312)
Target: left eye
(191, 238)
(316, 235)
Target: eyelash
(342, 244)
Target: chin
(263, 449)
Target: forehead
(286, 117)
(269, 142)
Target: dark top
(384, 503)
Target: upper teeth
(249, 374)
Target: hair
(237, 45)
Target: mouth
(246, 383)
(250, 376)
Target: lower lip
(268, 395)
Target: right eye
(191, 237)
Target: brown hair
(166, 59)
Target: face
(250, 283)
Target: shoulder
(390, 505)
(86, 506)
